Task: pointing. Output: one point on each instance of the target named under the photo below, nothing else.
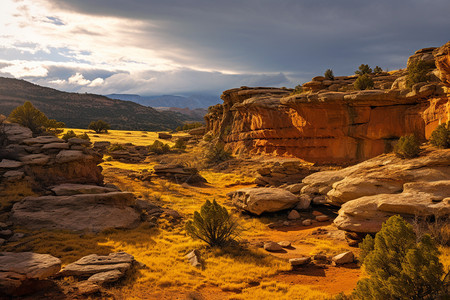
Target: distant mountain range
(191, 102)
(78, 110)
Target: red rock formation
(324, 126)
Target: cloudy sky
(152, 47)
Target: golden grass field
(233, 273)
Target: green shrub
(417, 72)
(159, 147)
(398, 267)
(329, 74)
(84, 136)
(217, 154)
(363, 69)
(377, 70)
(99, 126)
(363, 82)
(298, 89)
(116, 147)
(29, 116)
(408, 146)
(68, 135)
(440, 137)
(180, 144)
(213, 225)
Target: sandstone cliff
(330, 122)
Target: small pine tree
(329, 74)
(417, 72)
(377, 70)
(213, 225)
(363, 82)
(440, 137)
(408, 146)
(363, 69)
(398, 267)
(298, 89)
(99, 126)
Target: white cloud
(96, 82)
(20, 69)
(78, 79)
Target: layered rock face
(46, 160)
(67, 182)
(330, 122)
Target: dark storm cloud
(283, 36)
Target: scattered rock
(16, 237)
(21, 272)
(293, 215)
(301, 261)
(164, 136)
(178, 173)
(285, 244)
(260, 200)
(322, 218)
(272, 247)
(304, 202)
(306, 222)
(87, 288)
(105, 277)
(194, 258)
(344, 258)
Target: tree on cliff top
(29, 116)
(363, 69)
(398, 266)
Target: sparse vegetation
(363, 69)
(71, 134)
(159, 147)
(417, 72)
(99, 126)
(29, 116)
(398, 267)
(377, 70)
(440, 137)
(329, 74)
(408, 146)
(213, 225)
(116, 147)
(189, 126)
(363, 82)
(298, 89)
(217, 153)
(180, 144)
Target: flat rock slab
(93, 264)
(301, 261)
(105, 277)
(92, 212)
(68, 189)
(16, 133)
(43, 140)
(31, 265)
(55, 146)
(35, 159)
(70, 155)
(10, 164)
(260, 200)
(344, 258)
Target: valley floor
(244, 271)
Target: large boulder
(92, 212)
(260, 200)
(21, 272)
(421, 199)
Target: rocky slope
(330, 122)
(78, 110)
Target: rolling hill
(78, 110)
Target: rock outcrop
(67, 183)
(330, 122)
(260, 200)
(372, 191)
(178, 173)
(22, 272)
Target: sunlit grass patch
(13, 192)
